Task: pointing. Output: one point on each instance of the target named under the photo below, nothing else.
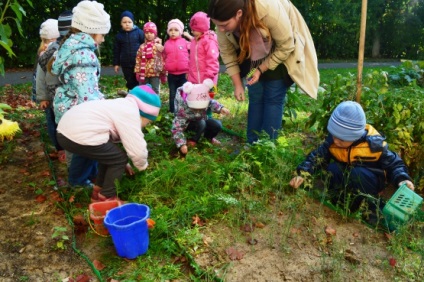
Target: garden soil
(321, 245)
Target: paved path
(18, 77)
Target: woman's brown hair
(224, 10)
(248, 22)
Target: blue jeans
(81, 171)
(266, 107)
(357, 181)
(174, 81)
(51, 127)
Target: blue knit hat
(127, 14)
(147, 100)
(347, 122)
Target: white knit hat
(49, 29)
(91, 18)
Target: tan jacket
(293, 44)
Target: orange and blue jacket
(370, 151)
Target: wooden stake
(361, 50)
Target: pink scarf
(147, 54)
(260, 48)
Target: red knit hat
(200, 22)
(150, 27)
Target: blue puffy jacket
(126, 46)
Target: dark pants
(51, 127)
(209, 128)
(130, 77)
(357, 181)
(112, 161)
(174, 81)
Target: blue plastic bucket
(127, 224)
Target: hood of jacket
(74, 51)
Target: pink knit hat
(198, 94)
(200, 22)
(150, 27)
(176, 23)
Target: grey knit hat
(347, 122)
(91, 18)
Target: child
(357, 158)
(204, 51)
(176, 56)
(149, 61)
(49, 33)
(78, 69)
(91, 130)
(127, 42)
(191, 104)
(47, 83)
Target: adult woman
(272, 38)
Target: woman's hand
(254, 78)
(239, 92)
(296, 181)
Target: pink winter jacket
(204, 62)
(175, 54)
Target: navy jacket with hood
(126, 46)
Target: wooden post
(361, 50)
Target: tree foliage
(395, 28)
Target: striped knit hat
(347, 122)
(64, 22)
(147, 100)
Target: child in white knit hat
(192, 103)
(92, 129)
(46, 83)
(176, 57)
(78, 69)
(358, 160)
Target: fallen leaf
(295, 230)
(356, 234)
(330, 231)
(83, 278)
(98, 265)
(72, 199)
(197, 221)
(40, 199)
(234, 254)
(259, 225)
(45, 173)
(248, 227)
(392, 262)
